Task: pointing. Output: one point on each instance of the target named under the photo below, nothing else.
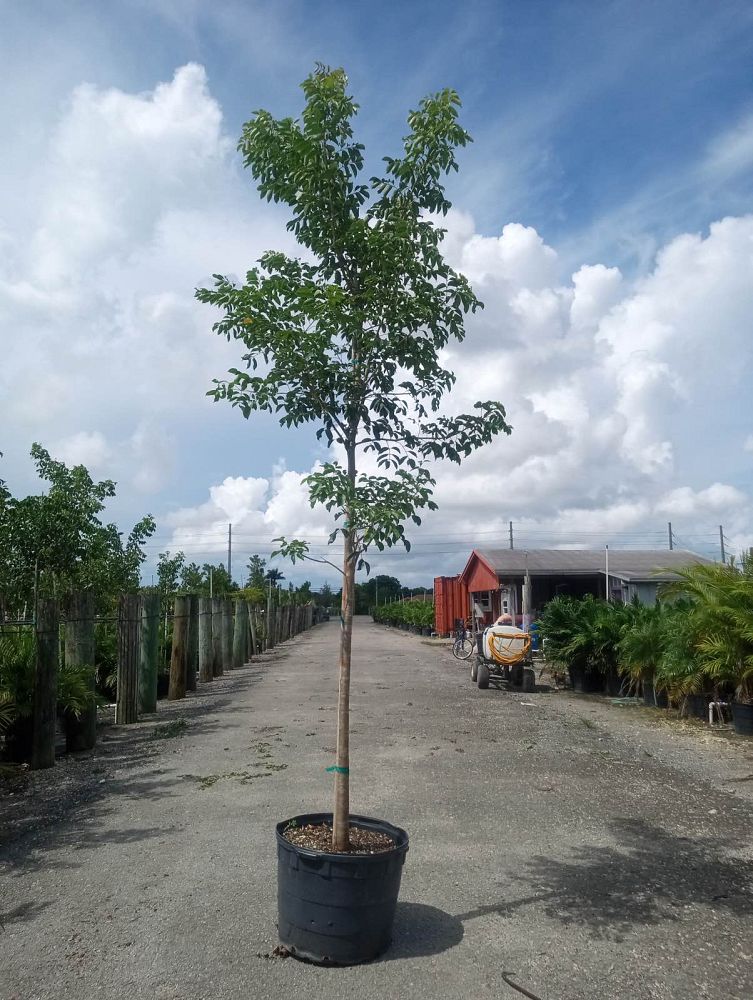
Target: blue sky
(612, 130)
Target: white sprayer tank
(509, 640)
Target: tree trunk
(340, 824)
(45, 683)
(149, 652)
(177, 688)
(81, 732)
(206, 650)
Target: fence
(209, 637)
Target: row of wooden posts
(210, 636)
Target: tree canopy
(55, 541)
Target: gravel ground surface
(587, 850)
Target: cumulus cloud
(605, 382)
(621, 391)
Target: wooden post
(216, 636)
(269, 627)
(251, 613)
(149, 652)
(240, 634)
(126, 707)
(47, 630)
(192, 650)
(206, 651)
(81, 732)
(227, 634)
(177, 687)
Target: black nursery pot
(698, 706)
(337, 909)
(742, 718)
(586, 681)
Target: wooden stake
(126, 708)
(192, 652)
(81, 732)
(217, 636)
(177, 687)
(240, 634)
(253, 630)
(149, 652)
(45, 683)
(227, 634)
(206, 651)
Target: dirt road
(582, 848)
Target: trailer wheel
(483, 676)
(529, 680)
(474, 669)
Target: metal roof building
(492, 580)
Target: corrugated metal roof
(627, 564)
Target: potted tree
(348, 337)
(721, 610)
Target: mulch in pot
(319, 838)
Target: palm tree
(273, 576)
(642, 643)
(721, 613)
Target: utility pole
(721, 543)
(511, 540)
(211, 586)
(671, 539)
(376, 590)
(230, 552)
(606, 567)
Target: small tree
(349, 336)
(255, 568)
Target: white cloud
(89, 448)
(618, 389)
(605, 383)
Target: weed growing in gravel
(169, 730)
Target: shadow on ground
(648, 877)
(63, 807)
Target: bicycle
(464, 646)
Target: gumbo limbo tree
(348, 336)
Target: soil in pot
(742, 718)
(318, 837)
(338, 909)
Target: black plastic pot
(338, 909)
(697, 706)
(654, 698)
(19, 740)
(742, 718)
(586, 681)
(426, 631)
(613, 682)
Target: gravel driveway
(587, 850)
